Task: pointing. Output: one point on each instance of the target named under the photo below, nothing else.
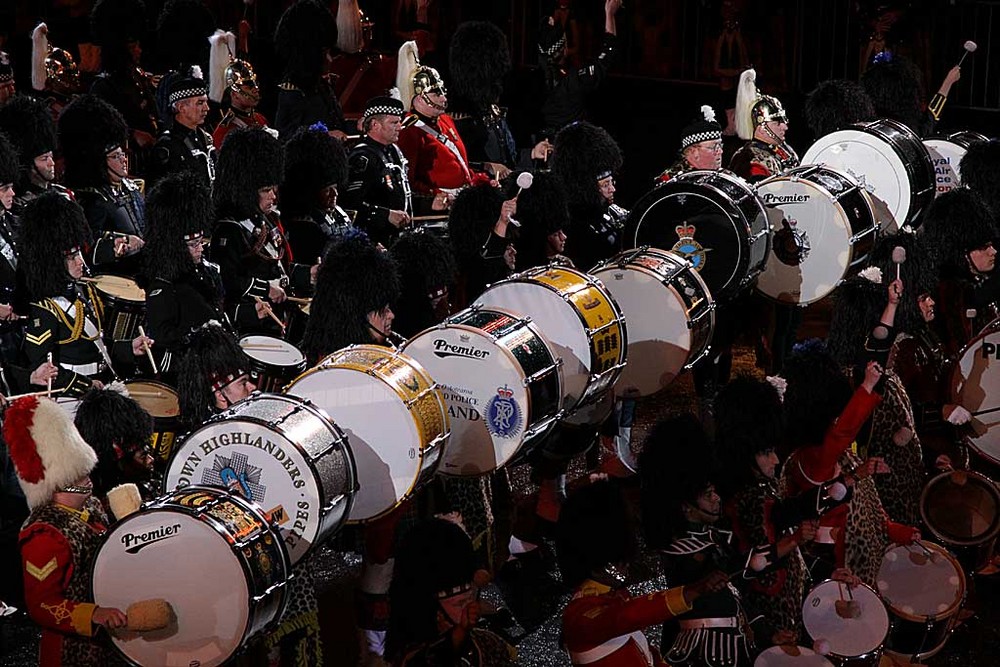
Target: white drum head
(194, 569)
(659, 340)
(471, 370)
(818, 226)
(918, 587)
(267, 468)
(976, 387)
(791, 656)
(382, 434)
(848, 637)
(272, 351)
(871, 161)
(558, 322)
(945, 156)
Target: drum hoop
(433, 445)
(987, 484)
(952, 608)
(201, 515)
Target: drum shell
(255, 545)
(962, 510)
(122, 315)
(319, 441)
(653, 358)
(673, 215)
(165, 412)
(270, 376)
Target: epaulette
(288, 85)
(409, 120)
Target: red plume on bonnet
(46, 449)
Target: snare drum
(500, 380)
(887, 159)
(962, 509)
(713, 219)
(393, 414)
(124, 306)
(975, 385)
(273, 361)
(946, 155)
(213, 556)
(823, 229)
(163, 405)
(924, 592)
(578, 317)
(670, 315)
(853, 641)
(282, 453)
(791, 656)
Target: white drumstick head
(821, 646)
(758, 562)
(970, 46)
(898, 255)
(837, 491)
(525, 179)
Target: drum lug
(704, 353)
(540, 374)
(544, 425)
(759, 235)
(860, 235)
(697, 318)
(592, 332)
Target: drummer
(65, 317)
(248, 244)
(183, 289)
(93, 135)
(762, 122)
(61, 535)
(701, 146)
(12, 328)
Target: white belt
(85, 369)
(701, 623)
(824, 535)
(607, 648)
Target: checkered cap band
(388, 106)
(699, 137)
(193, 88)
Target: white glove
(959, 416)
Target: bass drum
(888, 160)
(946, 155)
(578, 317)
(713, 219)
(823, 229)
(975, 385)
(502, 384)
(280, 452)
(216, 558)
(670, 315)
(394, 415)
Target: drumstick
(48, 359)
(146, 394)
(270, 313)
(428, 218)
(969, 47)
(47, 392)
(298, 299)
(986, 412)
(260, 346)
(149, 353)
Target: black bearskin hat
(116, 427)
(584, 153)
(817, 392)
(749, 420)
(595, 530)
(313, 160)
(28, 124)
(857, 305)
(675, 467)
(954, 224)
(473, 215)
(212, 360)
(980, 169)
(51, 225)
(89, 129)
(304, 31)
(434, 557)
(918, 273)
(355, 279)
(250, 159)
(113, 24)
(10, 169)
(178, 209)
(896, 91)
(541, 210)
(426, 266)
(836, 104)
(182, 32)
(478, 60)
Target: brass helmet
(414, 79)
(241, 77)
(768, 108)
(427, 79)
(753, 108)
(53, 68)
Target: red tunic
(231, 121)
(603, 627)
(437, 159)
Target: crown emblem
(505, 392)
(685, 231)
